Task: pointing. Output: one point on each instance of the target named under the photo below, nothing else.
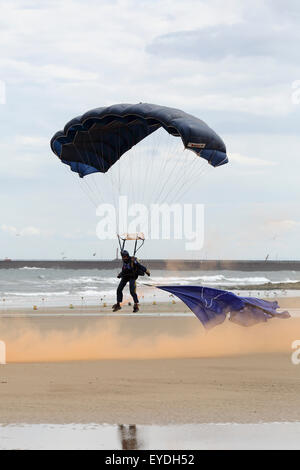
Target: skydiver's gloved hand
(148, 272)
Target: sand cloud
(110, 341)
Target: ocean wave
(294, 285)
(84, 280)
(213, 280)
(34, 294)
(99, 294)
(32, 268)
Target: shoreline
(166, 265)
(146, 306)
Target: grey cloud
(242, 40)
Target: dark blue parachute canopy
(95, 141)
(211, 306)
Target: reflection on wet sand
(128, 437)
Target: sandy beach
(148, 369)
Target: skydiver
(131, 270)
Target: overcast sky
(235, 67)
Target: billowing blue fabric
(211, 306)
(95, 141)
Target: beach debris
(35, 307)
(71, 306)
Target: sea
(26, 286)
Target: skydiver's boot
(116, 307)
(136, 308)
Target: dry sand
(147, 370)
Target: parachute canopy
(95, 141)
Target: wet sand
(147, 370)
(252, 388)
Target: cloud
(26, 231)
(9, 229)
(250, 37)
(30, 231)
(281, 226)
(32, 141)
(21, 71)
(250, 161)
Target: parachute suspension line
(96, 153)
(120, 161)
(195, 170)
(132, 185)
(165, 148)
(178, 161)
(174, 177)
(191, 175)
(110, 178)
(170, 174)
(147, 154)
(150, 158)
(164, 176)
(122, 175)
(161, 183)
(84, 180)
(87, 193)
(183, 178)
(143, 163)
(149, 161)
(206, 169)
(189, 169)
(164, 158)
(146, 162)
(158, 162)
(92, 178)
(142, 154)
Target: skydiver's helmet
(125, 254)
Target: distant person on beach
(131, 270)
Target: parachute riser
(122, 243)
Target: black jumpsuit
(131, 270)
